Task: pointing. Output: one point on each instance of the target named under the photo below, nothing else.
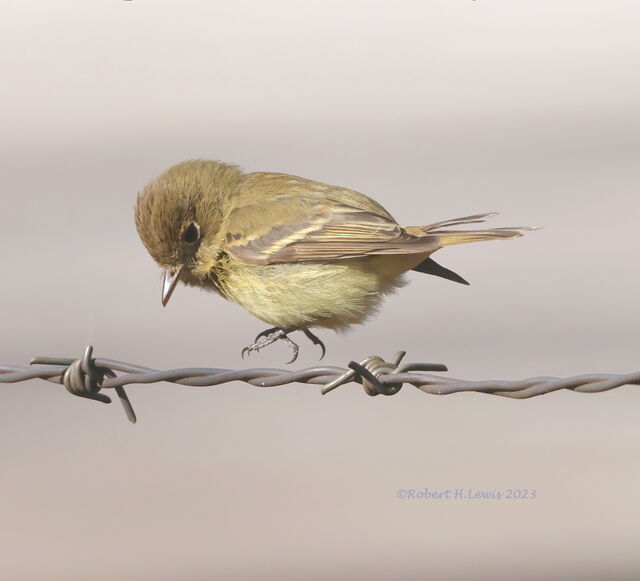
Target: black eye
(191, 233)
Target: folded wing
(289, 228)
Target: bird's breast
(332, 294)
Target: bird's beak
(171, 278)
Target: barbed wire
(87, 376)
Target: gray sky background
(437, 109)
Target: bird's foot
(271, 336)
(265, 333)
(316, 341)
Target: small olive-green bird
(295, 253)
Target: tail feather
(457, 221)
(450, 237)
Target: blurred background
(437, 109)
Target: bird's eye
(191, 233)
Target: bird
(296, 253)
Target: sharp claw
(270, 336)
(316, 341)
(294, 348)
(265, 333)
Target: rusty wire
(87, 376)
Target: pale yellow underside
(332, 294)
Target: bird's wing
(292, 228)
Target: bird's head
(178, 217)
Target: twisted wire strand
(87, 376)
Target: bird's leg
(316, 341)
(265, 333)
(271, 336)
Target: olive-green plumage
(294, 252)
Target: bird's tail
(450, 237)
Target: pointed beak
(171, 278)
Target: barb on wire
(86, 377)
